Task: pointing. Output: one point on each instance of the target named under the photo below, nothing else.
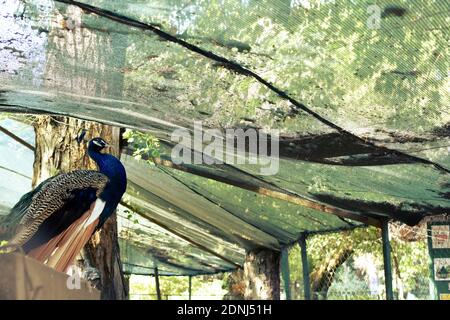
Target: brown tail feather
(67, 253)
(60, 251)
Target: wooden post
(262, 275)
(285, 273)
(190, 287)
(387, 260)
(158, 290)
(305, 268)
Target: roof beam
(273, 192)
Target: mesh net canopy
(359, 93)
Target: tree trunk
(84, 62)
(262, 275)
(57, 151)
(322, 277)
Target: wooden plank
(23, 278)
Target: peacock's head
(97, 144)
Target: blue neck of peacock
(111, 167)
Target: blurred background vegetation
(359, 275)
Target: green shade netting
(145, 246)
(388, 83)
(379, 71)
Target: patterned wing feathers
(52, 196)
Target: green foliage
(413, 264)
(143, 144)
(323, 53)
(360, 240)
(348, 285)
(3, 243)
(351, 279)
(203, 287)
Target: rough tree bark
(57, 151)
(262, 275)
(84, 62)
(322, 277)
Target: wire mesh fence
(349, 265)
(342, 266)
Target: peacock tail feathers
(20, 209)
(54, 221)
(10, 223)
(48, 197)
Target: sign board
(440, 236)
(439, 250)
(444, 296)
(441, 269)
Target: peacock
(54, 221)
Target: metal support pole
(285, 273)
(387, 260)
(190, 287)
(305, 267)
(158, 290)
